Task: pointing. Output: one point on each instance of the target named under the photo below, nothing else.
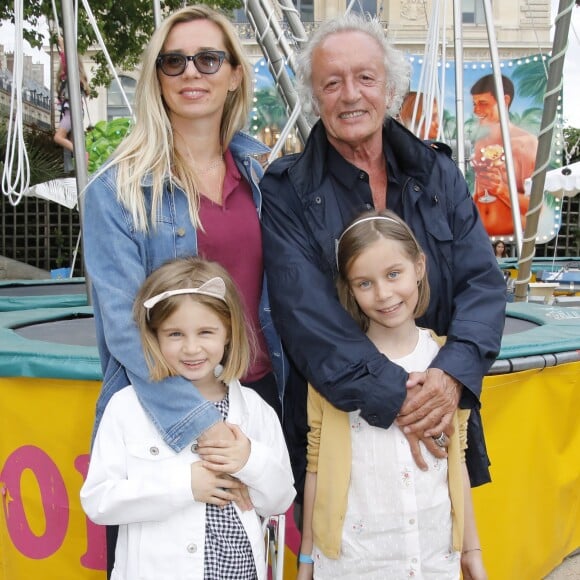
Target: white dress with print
(398, 519)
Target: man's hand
(428, 411)
(432, 447)
(225, 456)
(413, 387)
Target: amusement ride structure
(529, 516)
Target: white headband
(215, 287)
(368, 219)
(361, 221)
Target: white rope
(105, 52)
(428, 81)
(284, 133)
(555, 91)
(55, 14)
(14, 186)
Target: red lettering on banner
(95, 558)
(54, 502)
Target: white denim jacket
(138, 482)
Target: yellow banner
(45, 432)
(529, 516)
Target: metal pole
(553, 91)
(504, 124)
(76, 108)
(458, 50)
(74, 91)
(296, 26)
(267, 41)
(156, 13)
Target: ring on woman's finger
(441, 440)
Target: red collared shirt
(233, 238)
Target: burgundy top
(233, 238)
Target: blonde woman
(183, 183)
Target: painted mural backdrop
(524, 82)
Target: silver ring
(441, 441)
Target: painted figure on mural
(414, 110)
(491, 183)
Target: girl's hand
(305, 571)
(242, 493)
(225, 456)
(472, 566)
(207, 486)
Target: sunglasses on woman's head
(207, 62)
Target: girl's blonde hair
(192, 273)
(149, 149)
(357, 237)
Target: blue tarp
(32, 294)
(60, 342)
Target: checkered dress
(228, 553)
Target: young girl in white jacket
(195, 514)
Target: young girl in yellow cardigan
(369, 511)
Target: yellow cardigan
(329, 455)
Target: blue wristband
(305, 559)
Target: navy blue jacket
(301, 222)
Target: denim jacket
(118, 258)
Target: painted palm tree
(269, 111)
(530, 119)
(531, 79)
(448, 126)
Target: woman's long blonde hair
(149, 149)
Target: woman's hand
(218, 431)
(225, 456)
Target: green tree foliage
(270, 110)
(125, 26)
(44, 156)
(103, 139)
(572, 139)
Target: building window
(472, 12)
(240, 16)
(363, 7)
(116, 106)
(306, 9)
